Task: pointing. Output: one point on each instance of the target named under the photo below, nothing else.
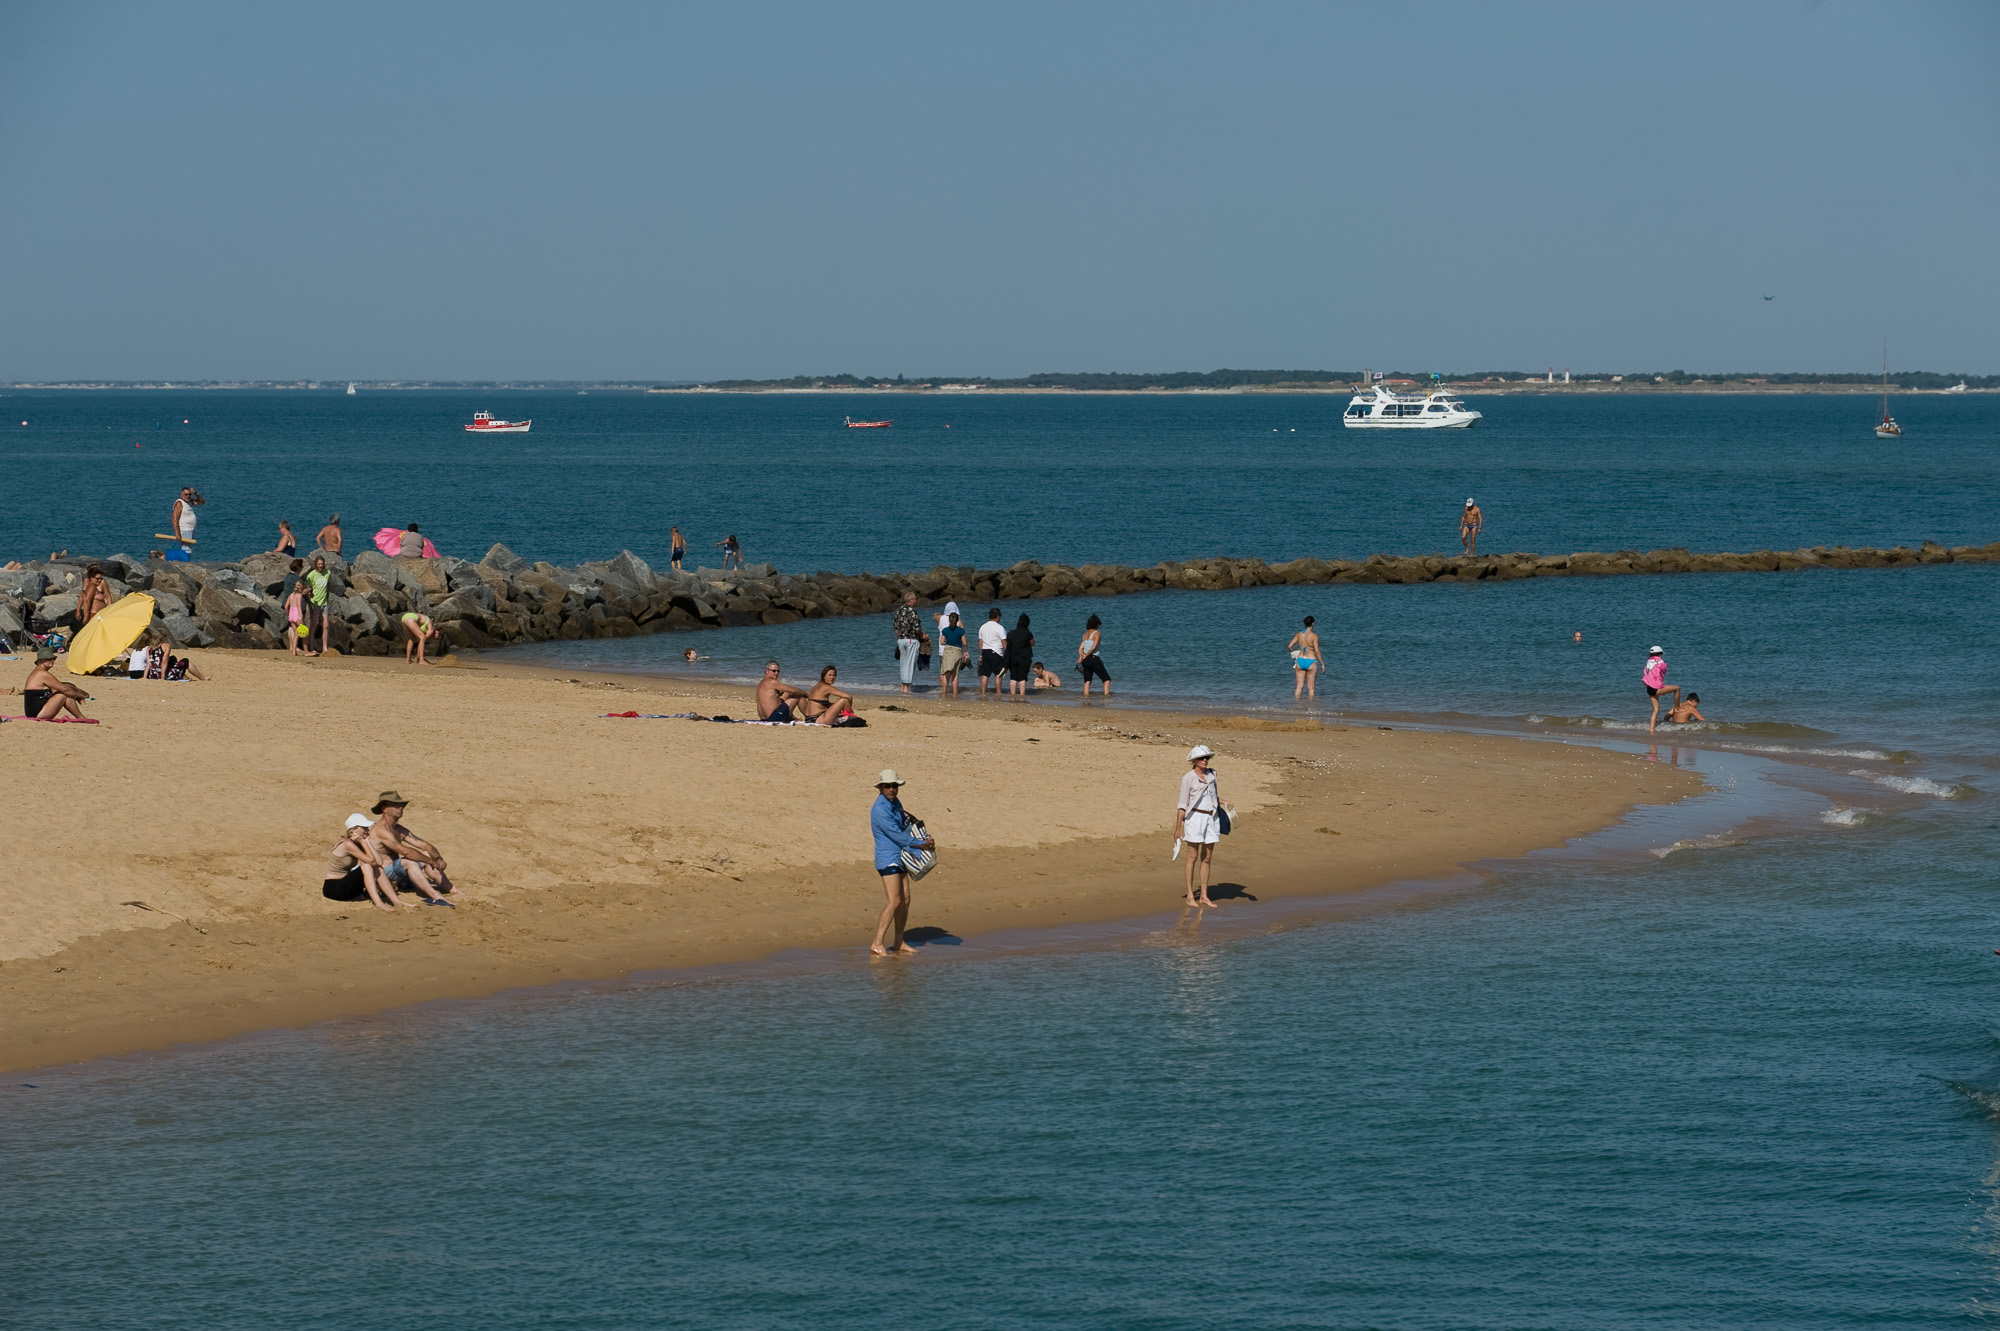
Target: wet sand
(588, 848)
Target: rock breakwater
(504, 599)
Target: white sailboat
(350, 390)
(1887, 427)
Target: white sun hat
(355, 820)
(887, 777)
(1200, 751)
(1468, 501)
(1657, 651)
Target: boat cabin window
(1434, 407)
(1358, 409)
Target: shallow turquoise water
(1750, 1082)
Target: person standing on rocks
(180, 523)
(95, 595)
(992, 653)
(677, 548)
(909, 636)
(318, 580)
(329, 535)
(730, 550)
(1306, 659)
(1469, 525)
(1087, 662)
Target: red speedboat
(483, 420)
(866, 425)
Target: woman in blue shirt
(890, 823)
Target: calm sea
(1734, 1066)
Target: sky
(662, 192)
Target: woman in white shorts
(1198, 819)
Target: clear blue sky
(498, 190)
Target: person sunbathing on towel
(825, 704)
(775, 697)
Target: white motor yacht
(1382, 410)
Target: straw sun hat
(887, 777)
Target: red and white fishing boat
(483, 420)
(853, 424)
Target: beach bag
(1222, 819)
(917, 863)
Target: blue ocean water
(1753, 1082)
(989, 481)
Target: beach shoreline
(591, 848)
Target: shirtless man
(44, 697)
(329, 535)
(1046, 678)
(1469, 526)
(775, 697)
(416, 861)
(1684, 711)
(825, 703)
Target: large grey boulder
(51, 611)
(505, 560)
(183, 631)
(26, 583)
(13, 617)
(376, 565)
(166, 603)
(355, 610)
(223, 605)
(236, 580)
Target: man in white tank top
(181, 522)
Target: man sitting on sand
(415, 861)
(1684, 711)
(1045, 678)
(44, 697)
(775, 697)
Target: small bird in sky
(1770, 298)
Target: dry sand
(588, 847)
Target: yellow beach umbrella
(109, 632)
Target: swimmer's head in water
(689, 653)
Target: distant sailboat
(1887, 429)
(350, 390)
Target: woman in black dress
(1020, 657)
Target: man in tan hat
(416, 861)
(890, 822)
(44, 697)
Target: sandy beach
(588, 847)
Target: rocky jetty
(504, 599)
